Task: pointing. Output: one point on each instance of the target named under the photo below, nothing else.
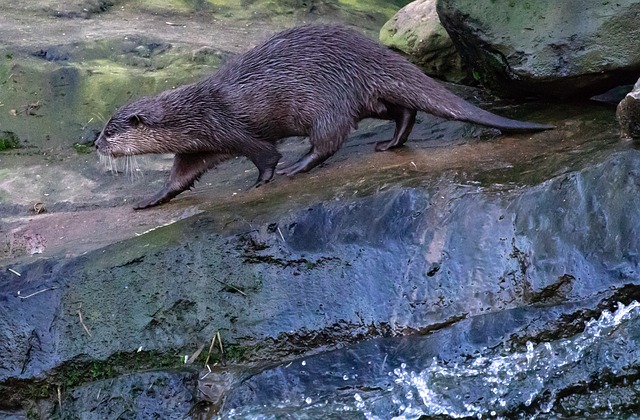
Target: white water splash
(487, 386)
(499, 383)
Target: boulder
(546, 48)
(417, 32)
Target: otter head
(134, 129)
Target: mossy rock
(52, 104)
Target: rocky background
(463, 242)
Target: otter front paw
(155, 200)
(144, 204)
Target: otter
(317, 81)
(628, 114)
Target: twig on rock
(220, 342)
(83, 324)
(36, 293)
(60, 400)
(195, 355)
(213, 342)
(230, 286)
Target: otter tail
(437, 100)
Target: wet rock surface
(140, 395)
(546, 48)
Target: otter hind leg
(265, 156)
(308, 162)
(323, 146)
(405, 118)
(187, 169)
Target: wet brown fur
(315, 81)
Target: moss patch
(8, 140)
(78, 372)
(366, 14)
(83, 149)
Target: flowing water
(594, 372)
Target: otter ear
(136, 120)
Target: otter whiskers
(131, 166)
